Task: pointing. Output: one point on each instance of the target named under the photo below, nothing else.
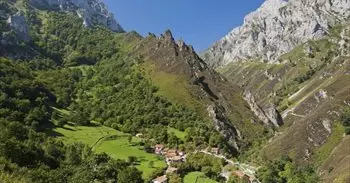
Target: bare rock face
(92, 12)
(18, 23)
(223, 125)
(276, 28)
(270, 115)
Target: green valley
(112, 142)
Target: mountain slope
(276, 28)
(120, 80)
(184, 78)
(310, 90)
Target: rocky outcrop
(223, 125)
(270, 116)
(276, 28)
(18, 23)
(93, 12)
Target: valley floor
(112, 142)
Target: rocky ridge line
(276, 28)
(92, 12)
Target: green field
(197, 177)
(120, 148)
(179, 134)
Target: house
(176, 159)
(165, 151)
(172, 151)
(158, 148)
(170, 155)
(215, 150)
(171, 170)
(181, 153)
(161, 179)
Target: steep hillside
(184, 78)
(276, 28)
(310, 90)
(93, 76)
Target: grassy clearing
(326, 149)
(179, 134)
(197, 177)
(118, 148)
(173, 87)
(122, 149)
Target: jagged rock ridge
(276, 28)
(91, 11)
(217, 98)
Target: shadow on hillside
(54, 134)
(68, 128)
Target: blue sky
(198, 22)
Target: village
(176, 156)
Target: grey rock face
(223, 125)
(276, 28)
(18, 23)
(269, 116)
(91, 11)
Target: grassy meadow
(118, 147)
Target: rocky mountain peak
(91, 11)
(276, 28)
(272, 6)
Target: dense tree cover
(64, 39)
(116, 94)
(284, 170)
(25, 109)
(207, 164)
(111, 90)
(115, 91)
(22, 99)
(86, 72)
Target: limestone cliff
(91, 11)
(276, 28)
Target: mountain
(93, 12)
(60, 76)
(184, 78)
(304, 46)
(81, 101)
(276, 28)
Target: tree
(284, 170)
(132, 160)
(61, 122)
(150, 164)
(129, 174)
(175, 178)
(345, 119)
(129, 139)
(173, 140)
